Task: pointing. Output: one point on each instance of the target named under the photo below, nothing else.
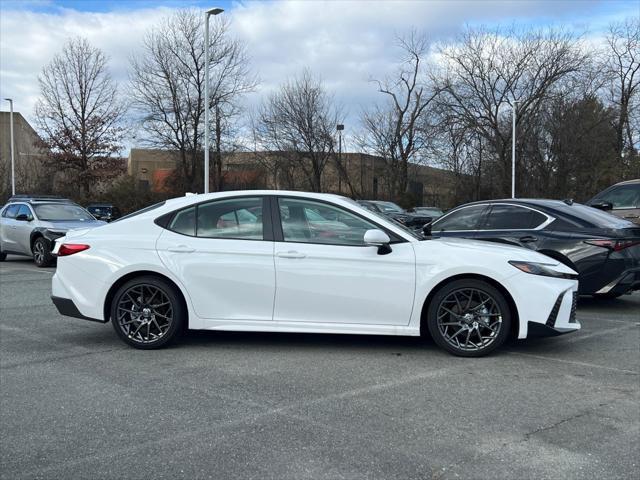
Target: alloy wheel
(38, 253)
(144, 313)
(469, 319)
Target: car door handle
(528, 238)
(181, 249)
(290, 254)
(631, 216)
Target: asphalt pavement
(76, 403)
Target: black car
(397, 213)
(104, 211)
(603, 249)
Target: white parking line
(571, 362)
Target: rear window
(142, 210)
(582, 214)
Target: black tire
(607, 296)
(453, 312)
(42, 256)
(3, 256)
(150, 328)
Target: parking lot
(78, 403)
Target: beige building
(30, 174)
(367, 175)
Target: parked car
(104, 211)
(29, 225)
(621, 199)
(430, 212)
(397, 213)
(603, 249)
(340, 268)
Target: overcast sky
(345, 42)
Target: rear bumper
(628, 281)
(67, 308)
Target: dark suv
(104, 211)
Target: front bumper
(67, 308)
(556, 324)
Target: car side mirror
(23, 217)
(602, 205)
(426, 228)
(378, 238)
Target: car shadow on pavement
(197, 338)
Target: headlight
(543, 269)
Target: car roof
(635, 181)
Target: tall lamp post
(514, 109)
(13, 163)
(340, 128)
(207, 14)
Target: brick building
(272, 170)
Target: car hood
(480, 251)
(66, 225)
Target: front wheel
(469, 318)
(42, 253)
(147, 313)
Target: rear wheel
(469, 318)
(42, 253)
(147, 312)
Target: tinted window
(466, 218)
(11, 211)
(585, 216)
(61, 212)
(624, 196)
(510, 217)
(306, 221)
(235, 218)
(184, 222)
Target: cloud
(345, 42)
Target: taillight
(67, 249)
(615, 245)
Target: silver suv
(30, 225)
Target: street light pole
(514, 108)
(213, 11)
(13, 162)
(340, 128)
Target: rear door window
(512, 217)
(11, 211)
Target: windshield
(52, 212)
(429, 211)
(389, 207)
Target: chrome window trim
(539, 227)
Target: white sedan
(275, 261)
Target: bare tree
(168, 81)
(622, 63)
(78, 113)
(298, 122)
(487, 69)
(395, 131)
